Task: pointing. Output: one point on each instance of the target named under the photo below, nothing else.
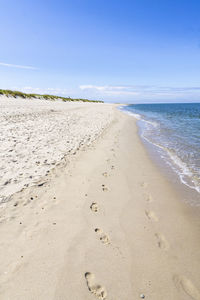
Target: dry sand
(105, 225)
(36, 135)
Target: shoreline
(186, 193)
(108, 225)
(166, 164)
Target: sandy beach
(36, 135)
(97, 220)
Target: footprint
(94, 207)
(144, 184)
(96, 289)
(105, 174)
(104, 238)
(186, 285)
(149, 198)
(162, 242)
(104, 188)
(151, 215)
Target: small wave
(136, 116)
(121, 107)
(181, 168)
(162, 127)
(154, 124)
(183, 171)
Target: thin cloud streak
(139, 93)
(110, 90)
(17, 66)
(138, 88)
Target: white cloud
(102, 88)
(138, 93)
(95, 87)
(110, 90)
(17, 66)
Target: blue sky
(121, 51)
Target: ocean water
(174, 130)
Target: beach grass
(15, 94)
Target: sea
(171, 132)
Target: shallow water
(174, 130)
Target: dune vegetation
(16, 94)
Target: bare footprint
(151, 215)
(187, 286)
(94, 207)
(144, 184)
(96, 289)
(149, 198)
(104, 188)
(162, 242)
(104, 238)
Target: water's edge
(188, 194)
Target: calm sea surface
(174, 130)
